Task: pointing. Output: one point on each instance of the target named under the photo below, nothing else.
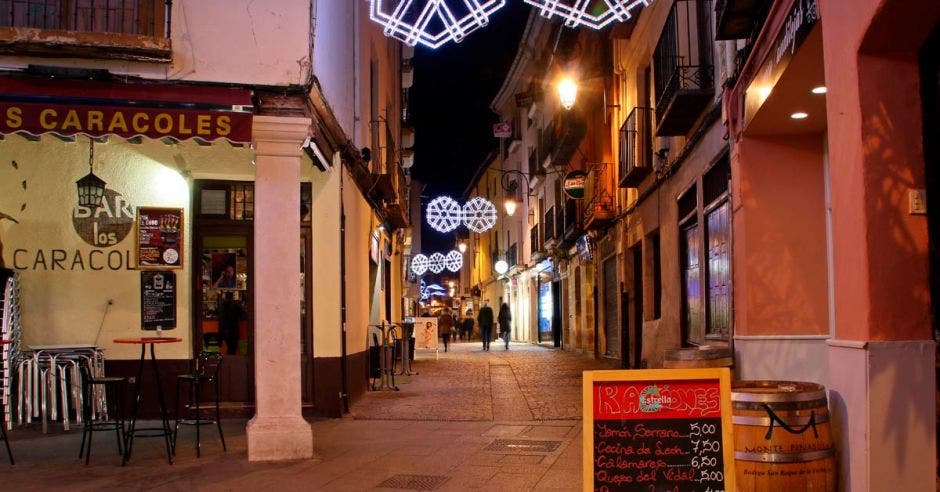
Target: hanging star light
(444, 214)
(596, 14)
(419, 264)
(432, 22)
(453, 261)
(436, 263)
(479, 214)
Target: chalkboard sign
(159, 237)
(157, 300)
(658, 430)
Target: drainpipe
(344, 395)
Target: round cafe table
(164, 431)
(3, 427)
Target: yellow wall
(65, 302)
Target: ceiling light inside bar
(432, 22)
(597, 14)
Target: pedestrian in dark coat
(485, 320)
(445, 324)
(505, 323)
(467, 326)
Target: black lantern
(90, 187)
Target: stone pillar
(278, 431)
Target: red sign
(182, 124)
(159, 237)
(619, 400)
(503, 129)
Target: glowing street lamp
(462, 246)
(510, 205)
(567, 92)
(501, 267)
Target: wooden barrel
(696, 357)
(782, 438)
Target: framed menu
(157, 299)
(159, 237)
(658, 430)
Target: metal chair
(206, 367)
(106, 420)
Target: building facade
(296, 141)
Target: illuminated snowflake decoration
(432, 22)
(596, 13)
(419, 264)
(479, 214)
(453, 261)
(444, 214)
(436, 263)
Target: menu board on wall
(159, 237)
(658, 430)
(157, 300)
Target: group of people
(447, 325)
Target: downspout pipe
(344, 395)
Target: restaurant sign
(182, 124)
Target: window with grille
(141, 17)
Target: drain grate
(522, 445)
(414, 482)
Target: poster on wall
(157, 300)
(159, 237)
(426, 333)
(659, 429)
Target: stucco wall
(327, 323)
(65, 301)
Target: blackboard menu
(658, 430)
(159, 237)
(157, 300)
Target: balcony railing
(548, 225)
(391, 188)
(512, 256)
(599, 210)
(566, 132)
(684, 81)
(135, 29)
(737, 18)
(535, 245)
(635, 152)
(574, 220)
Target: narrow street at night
(468, 420)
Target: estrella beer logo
(651, 399)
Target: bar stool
(89, 398)
(205, 372)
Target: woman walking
(445, 323)
(505, 322)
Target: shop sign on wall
(159, 237)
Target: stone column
(278, 431)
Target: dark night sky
(450, 99)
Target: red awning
(97, 108)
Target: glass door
(224, 312)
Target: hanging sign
(159, 237)
(157, 300)
(574, 184)
(503, 129)
(665, 429)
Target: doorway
(224, 311)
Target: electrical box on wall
(918, 202)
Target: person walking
(467, 326)
(505, 323)
(445, 323)
(485, 320)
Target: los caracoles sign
(38, 118)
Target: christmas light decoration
(596, 14)
(431, 22)
(436, 263)
(453, 261)
(479, 214)
(444, 214)
(419, 264)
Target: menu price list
(658, 456)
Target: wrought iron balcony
(123, 29)
(635, 157)
(683, 65)
(599, 210)
(574, 219)
(548, 227)
(565, 135)
(391, 189)
(535, 244)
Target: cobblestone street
(498, 420)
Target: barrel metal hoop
(784, 457)
(777, 397)
(765, 421)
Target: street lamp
(510, 205)
(462, 246)
(567, 92)
(501, 267)
(511, 186)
